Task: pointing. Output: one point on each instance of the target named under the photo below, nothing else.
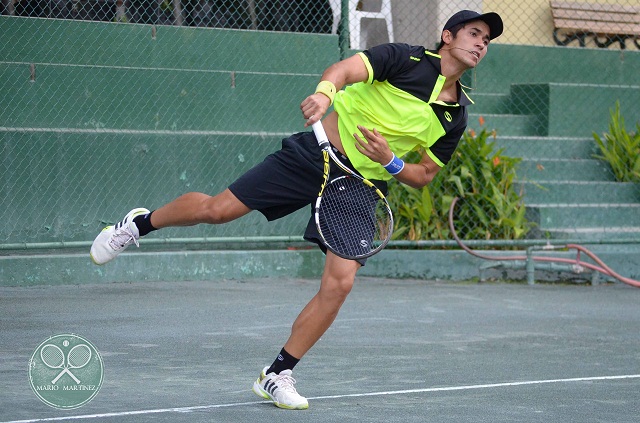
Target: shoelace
(122, 237)
(286, 382)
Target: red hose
(599, 267)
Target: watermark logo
(66, 371)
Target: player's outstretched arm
(344, 72)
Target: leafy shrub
(491, 207)
(620, 149)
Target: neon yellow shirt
(399, 100)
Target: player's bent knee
(223, 208)
(215, 213)
(337, 289)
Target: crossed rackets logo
(53, 357)
(66, 371)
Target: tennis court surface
(400, 351)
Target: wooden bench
(606, 23)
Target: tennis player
(388, 100)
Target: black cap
(492, 19)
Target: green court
(401, 350)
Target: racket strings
(353, 218)
(79, 356)
(52, 356)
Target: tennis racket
(352, 215)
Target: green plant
(478, 173)
(620, 149)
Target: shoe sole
(257, 389)
(91, 255)
(94, 261)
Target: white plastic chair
(358, 32)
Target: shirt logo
(447, 116)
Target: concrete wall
(60, 144)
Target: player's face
(471, 42)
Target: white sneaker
(115, 239)
(280, 390)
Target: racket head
(353, 217)
(52, 356)
(79, 356)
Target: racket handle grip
(321, 135)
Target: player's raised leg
(187, 210)
(195, 207)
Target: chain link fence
(109, 105)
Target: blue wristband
(395, 166)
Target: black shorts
(288, 180)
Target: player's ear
(447, 36)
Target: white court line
(365, 394)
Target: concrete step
(595, 233)
(508, 64)
(491, 103)
(64, 184)
(506, 124)
(77, 42)
(585, 218)
(540, 170)
(569, 109)
(550, 193)
(177, 265)
(112, 98)
(547, 147)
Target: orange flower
(481, 120)
(496, 161)
(472, 133)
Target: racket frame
(327, 151)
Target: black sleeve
(446, 145)
(388, 60)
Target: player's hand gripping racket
(351, 213)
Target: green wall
(505, 64)
(103, 128)
(123, 115)
(566, 91)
